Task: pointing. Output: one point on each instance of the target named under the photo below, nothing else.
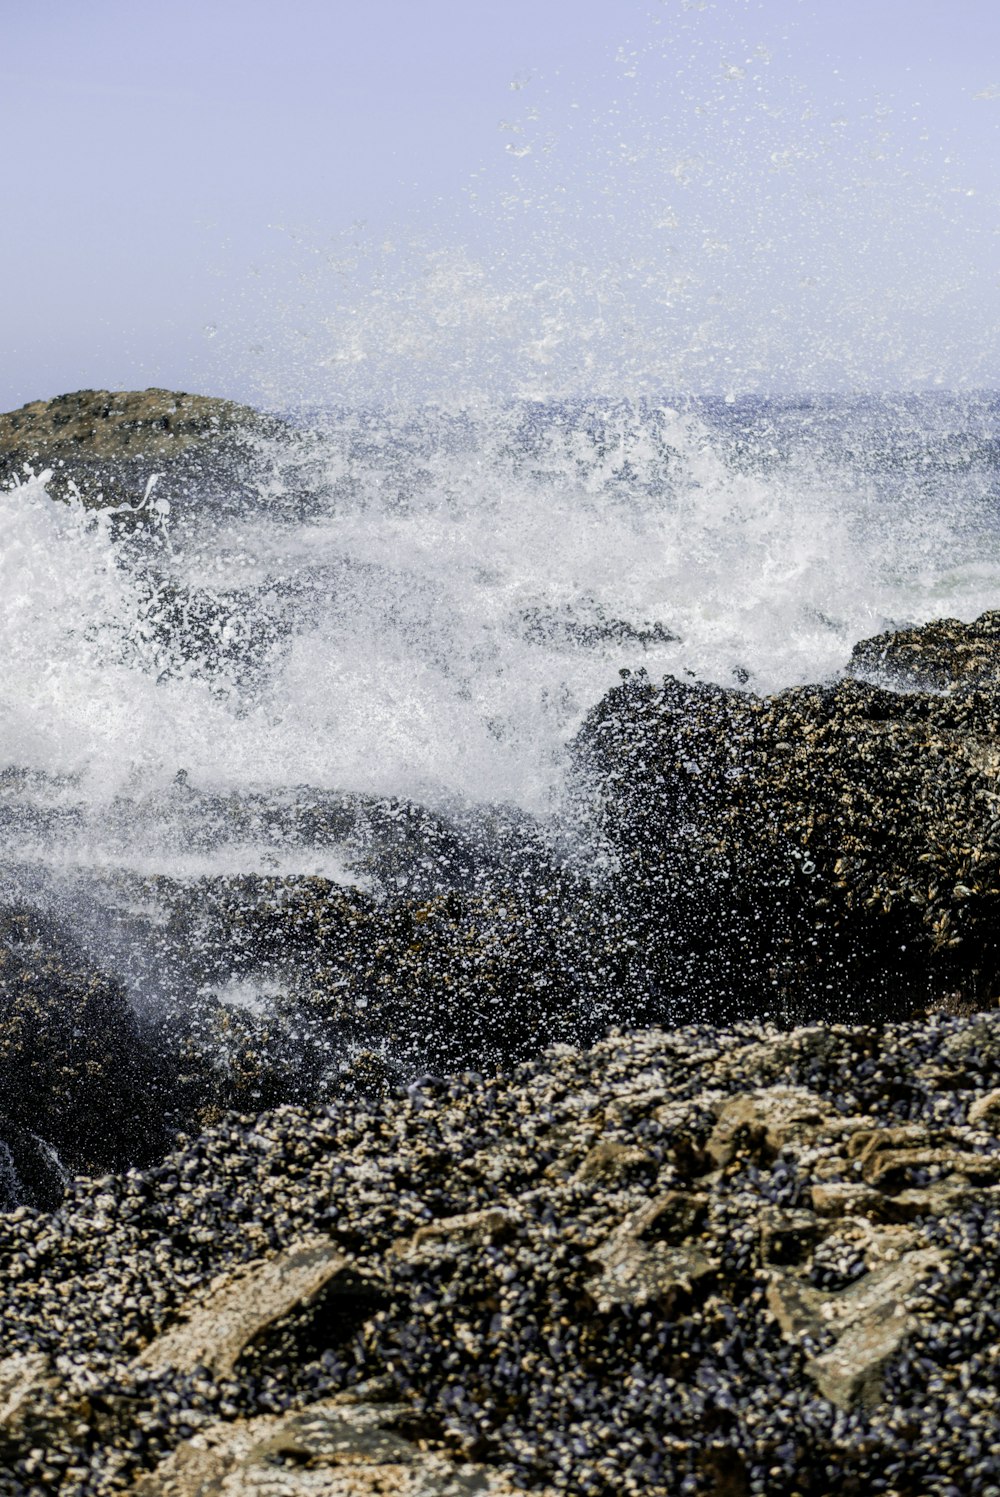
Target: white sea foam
(463, 587)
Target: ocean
(414, 610)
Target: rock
(639, 1263)
(329, 1450)
(105, 444)
(671, 1217)
(612, 1161)
(31, 1171)
(462, 980)
(940, 1199)
(786, 1236)
(944, 656)
(432, 1278)
(870, 1321)
(888, 1169)
(587, 626)
(843, 1198)
(479, 977)
(985, 1111)
(105, 425)
(78, 1077)
(889, 1157)
(23, 1378)
(240, 1309)
(829, 853)
(453, 1234)
(773, 1119)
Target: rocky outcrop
(829, 851)
(945, 656)
(238, 1311)
(366, 986)
(104, 445)
(717, 1261)
(102, 425)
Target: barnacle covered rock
(667, 1263)
(832, 851)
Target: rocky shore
(716, 1261)
(676, 1175)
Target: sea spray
(426, 604)
(301, 754)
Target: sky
(317, 201)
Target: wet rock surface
(831, 851)
(946, 656)
(704, 1261)
(80, 1087)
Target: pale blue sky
(299, 200)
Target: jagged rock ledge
(712, 1262)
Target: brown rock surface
(101, 425)
(776, 1118)
(985, 1111)
(330, 1450)
(104, 446)
(869, 1320)
(239, 1309)
(638, 1265)
(23, 1378)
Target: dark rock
(30, 1169)
(74, 1070)
(588, 627)
(356, 990)
(830, 852)
(786, 1236)
(615, 1161)
(944, 656)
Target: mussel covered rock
(832, 851)
(76, 1075)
